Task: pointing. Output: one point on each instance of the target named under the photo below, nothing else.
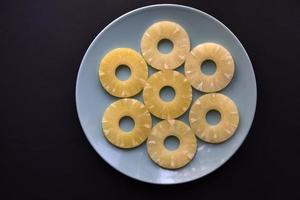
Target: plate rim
(130, 13)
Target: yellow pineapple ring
(123, 56)
(126, 108)
(165, 30)
(229, 118)
(171, 159)
(224, 67)
(167, 109)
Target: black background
(43, 151)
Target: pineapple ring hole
(165, 46)
(208, 67)
(171, 142)
(167, 93)
(213, 117)
(123, 72)
(126, 123)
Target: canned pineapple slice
(107, 72)
(226, 127)
(224, 67)
(160, 31)
(167, 109)
(126, 108)
(171, 159)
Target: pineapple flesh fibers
(126, 108)
(107, 72)
(167, 109)
(165, 30)
(171, 159)
(224, 67)
(229, 118)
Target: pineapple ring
(138, 67)
(229, 118)
(224, 67)
(178, 105)
(126, 108)
(171, 159)
(165, 30)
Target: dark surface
(43, 151)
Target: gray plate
(126, 31)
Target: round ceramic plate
(127, 31)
